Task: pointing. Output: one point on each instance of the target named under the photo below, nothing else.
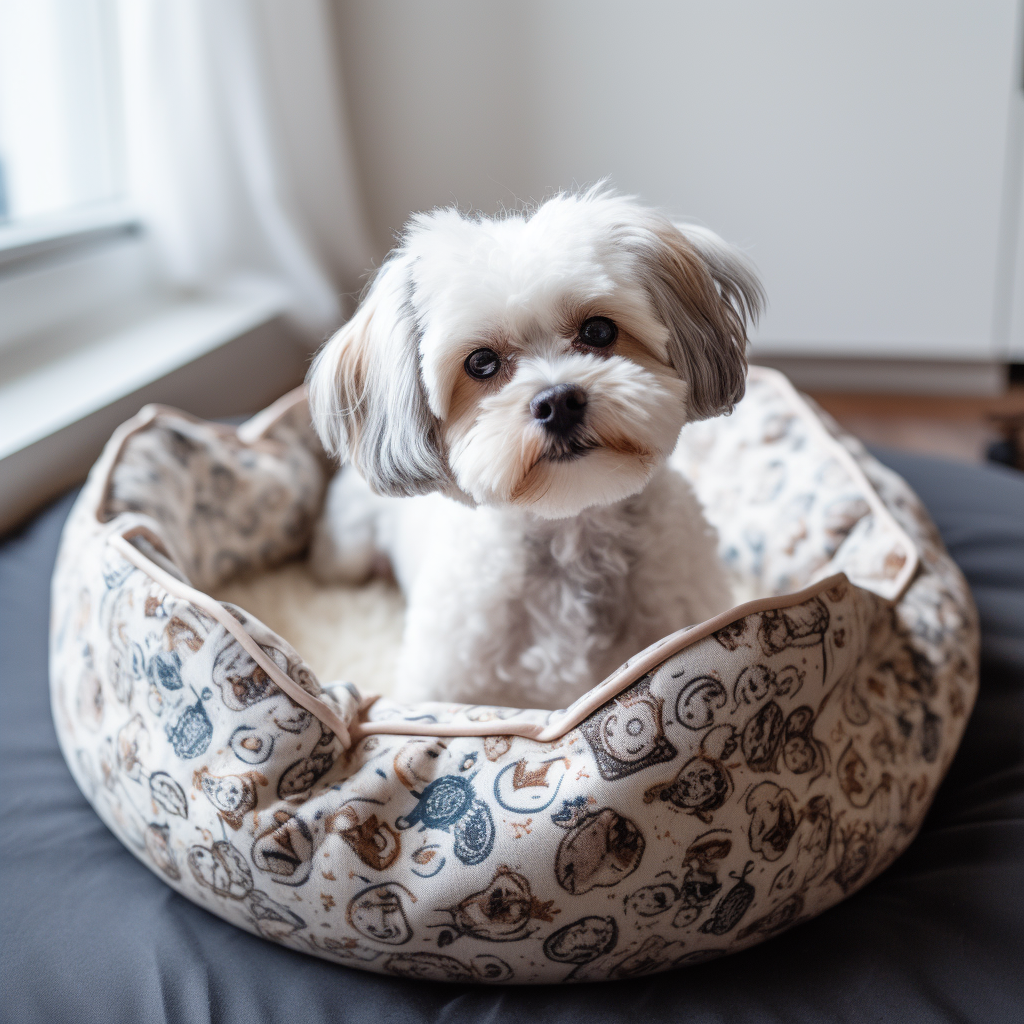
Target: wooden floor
(954, 427)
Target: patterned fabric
(221, 507)
(742, 778)
(790, 511)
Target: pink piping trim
(313, 705)
(612, 686)
(258, 426)
(902, 579)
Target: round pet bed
(732, 780)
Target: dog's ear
(705, 291)
(366, 396)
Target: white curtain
(237, 147)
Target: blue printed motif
(190, 735)
(450, 804)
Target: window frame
(28, 243)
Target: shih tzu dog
(506, 398)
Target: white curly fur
(531, 574)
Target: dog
(506, 398)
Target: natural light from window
(60, 126)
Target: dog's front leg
(346, 545)
(463, 580)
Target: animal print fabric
(749, 780)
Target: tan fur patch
(467, 393)
(532, 485)
(352, 359)
(628, 346)
(571, 316)
(464, 407)
(626, 446)
(533, 479)
(697, 288)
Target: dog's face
(545, 361)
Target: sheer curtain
(237, 148)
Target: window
(140, 222)
(60, 138)
(70, 246)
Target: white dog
(526, 379)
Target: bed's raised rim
(556, 723)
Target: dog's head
(546, 361)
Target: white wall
(858, 150)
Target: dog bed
(732, 780)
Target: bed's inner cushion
(346, 633)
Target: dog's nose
(560, 408)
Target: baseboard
(891, 376)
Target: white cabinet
(867, 154)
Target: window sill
(69, 389)
(224, 353)
(40, 240)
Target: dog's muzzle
(560, 410)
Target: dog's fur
(533, 564)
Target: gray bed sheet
(89, 934)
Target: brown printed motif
(741, 786)
(807, 850)
(626, 735)
(221, 868)
(234, 796)
(378, 914)
(298, 778)
(271, 919)
(374, 842)
(601, 848)
(251, 745)
(159, 848)
(656, 954)
(700, 884)
(529, 787)
(801, 626)
(582, 941)
(438, 967)
(167, 794)
(698, 700)
(502, 912)
(699, 887)
(733, 905)
(285, 850)
(772, 819)
(241, 681)
(703, 783)
(802, 752)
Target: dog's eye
(483, 363)
(598, 332)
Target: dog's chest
(579, 575)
